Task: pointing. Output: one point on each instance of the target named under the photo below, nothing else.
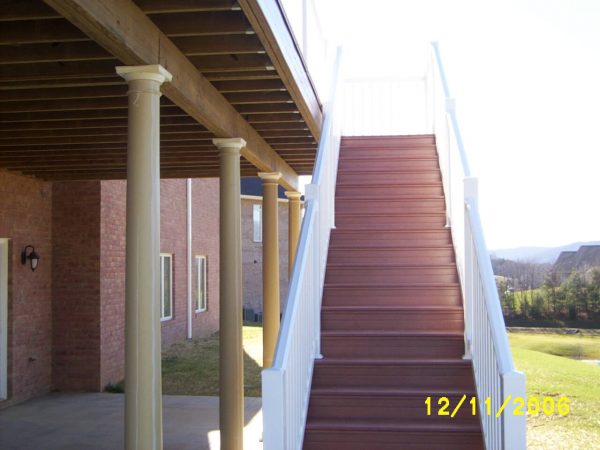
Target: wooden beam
(295, 140)
(278, 147)
(38, 31)
(118, 130)
(286, 133)
(95, 153)
(95, 126)
(57, 70)
(272, 29)
(166, 112)
(281, 126)
(245, 75)
(236, 63)
(267, 108)
(248, 98)
(218, 45)
(186, 6)
(184, 24)
(197, 24)
(74, 104)
(90, 51)
(125, 31)
(200, 137)
(59, 51)
(11, 10)
(23, 95)
(58, 83)
(228, 86)
(266, 118)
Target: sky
(526, 78)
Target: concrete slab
(94, 421)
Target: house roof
(253, 186)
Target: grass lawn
(558, 376)
(192, 367)
(570, 346)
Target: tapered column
(270, 237)
(143, 392)
(231, 351)
(293, 226)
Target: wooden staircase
(392, 316)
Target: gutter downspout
(189, 258)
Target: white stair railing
(486, 342)
(286, 385)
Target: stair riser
(349, 153)
(390, 276)
(391, 192)
(384, 440)
(393, 407)
(390, 222)
(392, 321)
(352, 296)
(390, 239)
(373, 178)
(383, 141)
(397, 165)
(365, 347)
(391, 256)
(352, 206)
(426, 377)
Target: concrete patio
(95, 422)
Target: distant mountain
(538, 254)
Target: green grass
(192, 367)
(569, 346)
(558, 376)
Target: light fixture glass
(32, 256)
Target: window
(200, 294)
(166, 286)
(257, 221)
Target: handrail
(486, 342)
(451, 110)
(286, 385)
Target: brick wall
(112, 282)
(252, 256)
(26, 218)
(205, 241)
(76, 286)
(173, 239)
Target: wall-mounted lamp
(32, 256)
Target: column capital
(270, 177)
(154, 72)
(229, 143)
(293, 195)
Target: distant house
(252, 247)
(583, 260)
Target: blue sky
(526, 77)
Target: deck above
(237, 72)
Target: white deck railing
(486, 341)
(286, 385)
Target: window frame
(205, 283)
(162, 291)
(257, 230)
